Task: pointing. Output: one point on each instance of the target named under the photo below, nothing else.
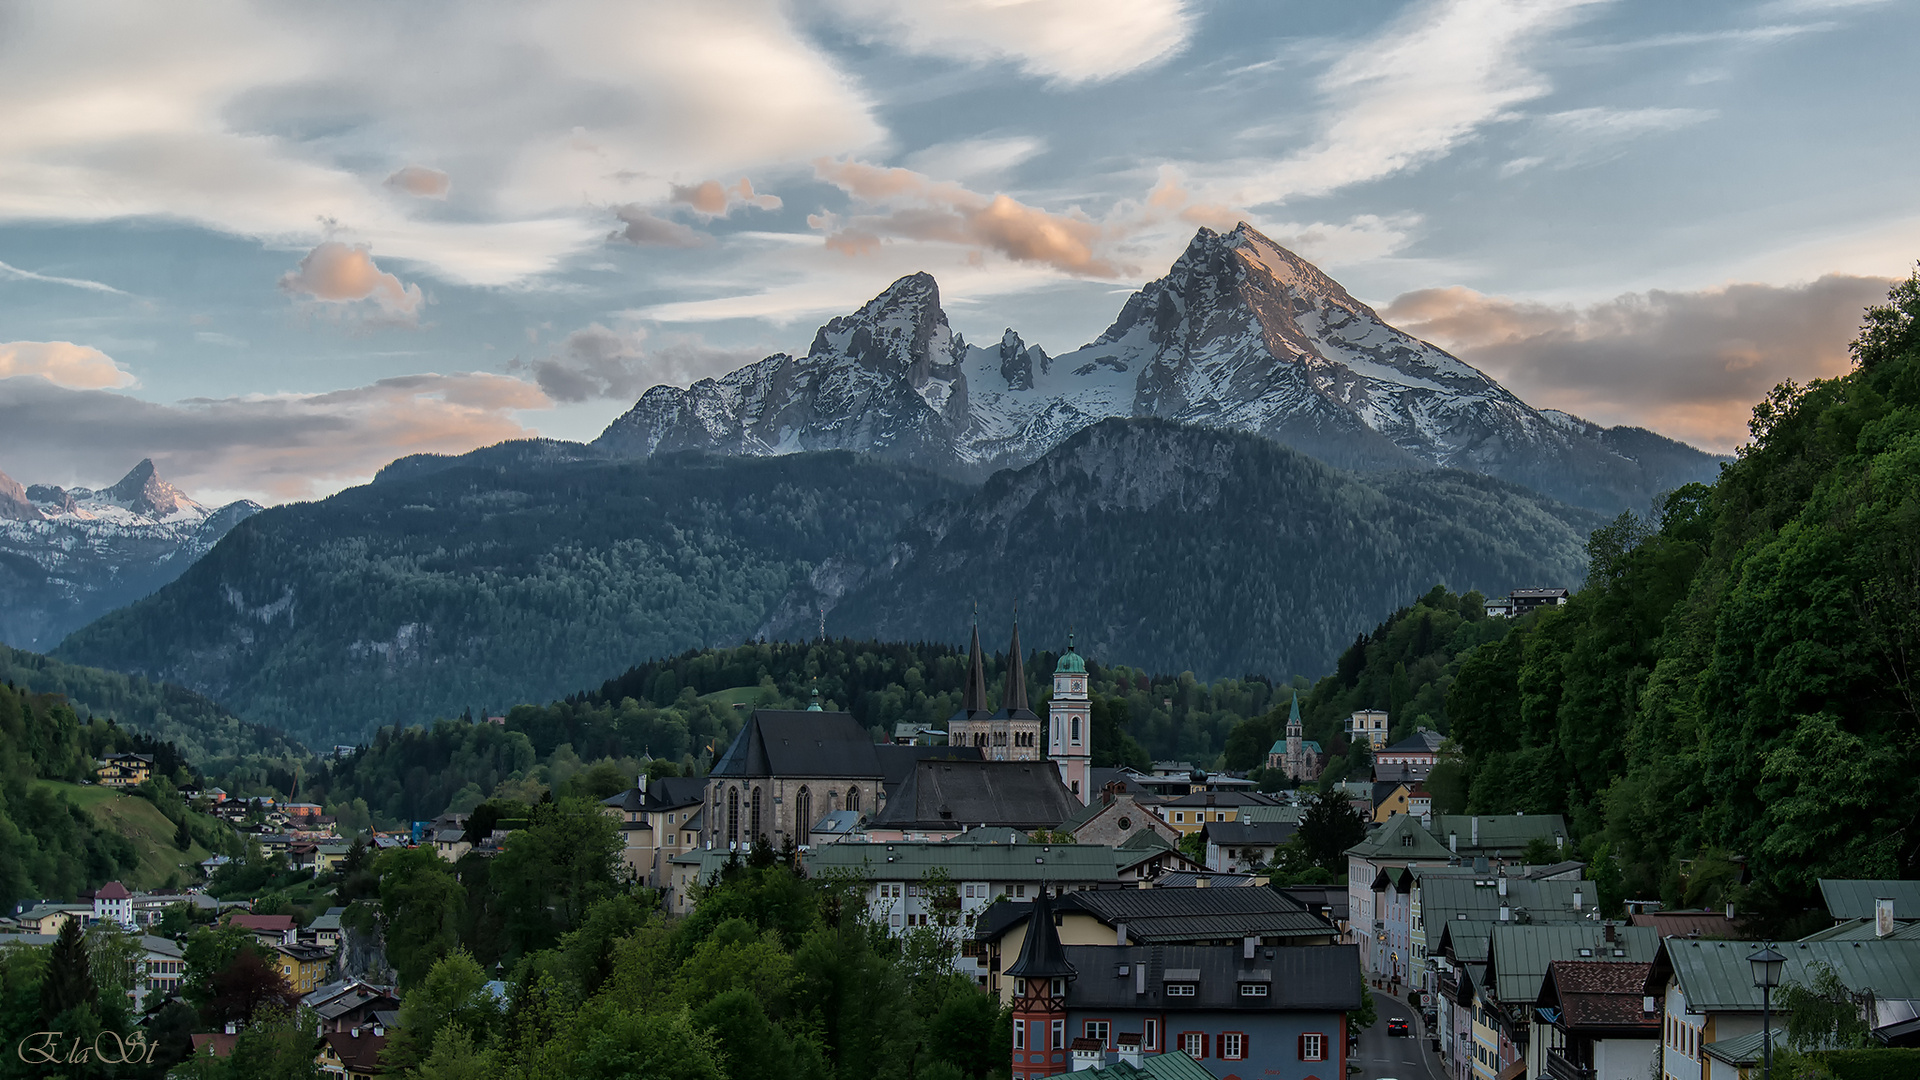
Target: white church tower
(1070, 740)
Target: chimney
(1648, 1005)
(1577, 899)
(1120, 933)
(1209, 798)
(1503, 883)
(1730, 911)
(1247, 945)
(1476, 830)
(232, 1028)
(1201, 881)
(1140, 978)
(1506, 913)
(1453, 842)
(1612, 934)
(1130, 1049)
(1883, 923)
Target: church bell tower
(1070, 734)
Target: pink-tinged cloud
(917, 207)
(335, 273)
(269, 447)
(1688, 364)
(420, 181)
(713, 199)
(643, 228)
(79, 367)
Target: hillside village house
(1368, 724)
(657, 821)
(1410, 759)
(1402, 841)
(1242, 845)
(1594, 1020)
(124, 770)
(1188, 813)
(1115, 816)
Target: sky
(274, 246)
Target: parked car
(1398, 1026)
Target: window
(1313, 1047)
(1180, 816)
(1058, 987)
(1150, 1035)
(733, 816)
(803, 817)
(754, 831)
(1253, 989)
(1097, 1029)
(1019, 988)
(1194, 1043)
(1019, 1034)
(1076, 731)
(853, 799)
(1019, 892)
(1180, 990)
(1059, 1034)
(1233, 1046)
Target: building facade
(1012, 733)
(1070, 735)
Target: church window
(733, 816)
(754, 831)
(803, 817)
(853, 799)
(1076, 731)
(1125, 823)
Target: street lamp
(1766, 975)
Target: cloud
(271, 447)
(710, 199)
(1689, 364)
(62, 363)
(1425, 86)
(335, 273)
(1584, 136)
(420, 180)
(645, 229)
(921, 208)
(970, 159)
(596, 362)
(1069, 41)
(258, 119)
(14, 273)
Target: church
(1013, 732)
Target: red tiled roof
(1704, 924)
(1602, 993)
(221, 1042)
(112, 890)
(361, 1053)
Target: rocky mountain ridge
(1241, 334)
(68, 556)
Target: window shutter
(1302, 1049)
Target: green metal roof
(1864, 930)
(1070, 661)
(1498, 832)
(1290, 815)
(1746, 1049)
(968, 862)
(1402, 838)
(1853, 898)
(1517, 956)
(1445, 896)
(1716, 977)
(1172, 1065)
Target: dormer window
(1183, 989)
(1253, 990)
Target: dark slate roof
(1420, 742)
(1315, 897)
(897, 762)
(782, 742)
(1249, 832)
(1041, 955)
(674, 792)
(1196, 914)
(631, 801)
(1853, 898)
(949, 793)
(973, 698)
(1013, 701)
(1227, 799)
(1317, 977)
(1598, 994)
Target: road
(1381, 1056)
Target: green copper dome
(1070, 662)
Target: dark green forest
(1730, 706)
(1181, 548)
(474, 586)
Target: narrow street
(1384, 1057)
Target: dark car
(1397, 1026)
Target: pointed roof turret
(814, 705)
(1041, 956)
(1293, 714)
(974, 700)
(1015, 697)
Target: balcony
(1560, 1067)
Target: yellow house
(1189, 812)
(49, 918)
(124, 770)
(305, 966)
(1389, 800)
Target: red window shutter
(1301, 1049)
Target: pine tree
(183, 836)
(69, 981)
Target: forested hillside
(478, 584)
(204, 731)
(1184, 548)
(1737, 680)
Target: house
(451, 843)
(353, 1054)
(325, 929)
(1232, 1008)
(1130, 1063)
(1115, 815)
(1187, 813)
(159, 969)
(1689, 924)
(350, 1003)
(1438, 896)
(1522, 601)
(1402, 841)
(1708, 995)
(1411, 759)
(49, 918)
(1593, 1021)
(1391, 799)
(1518, 957)
(271, 930)
(1498, 836)
(1148, 856)
(124, 770)
(940, 799)
(113, 901)
(305, 966)
(1233, 846)
(657, 822)
(1370, 725)
(328, 858)
(1187, 915)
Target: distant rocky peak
(1018, 361)
(53, 495)
(14, 504)
(143, 492)
(902, 330)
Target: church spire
(1014, 699)
(1293, 714)
(975, 698)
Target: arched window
(754, 831)
(803, 816)
(853, 799)
(733, 816)
(1076, 730)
